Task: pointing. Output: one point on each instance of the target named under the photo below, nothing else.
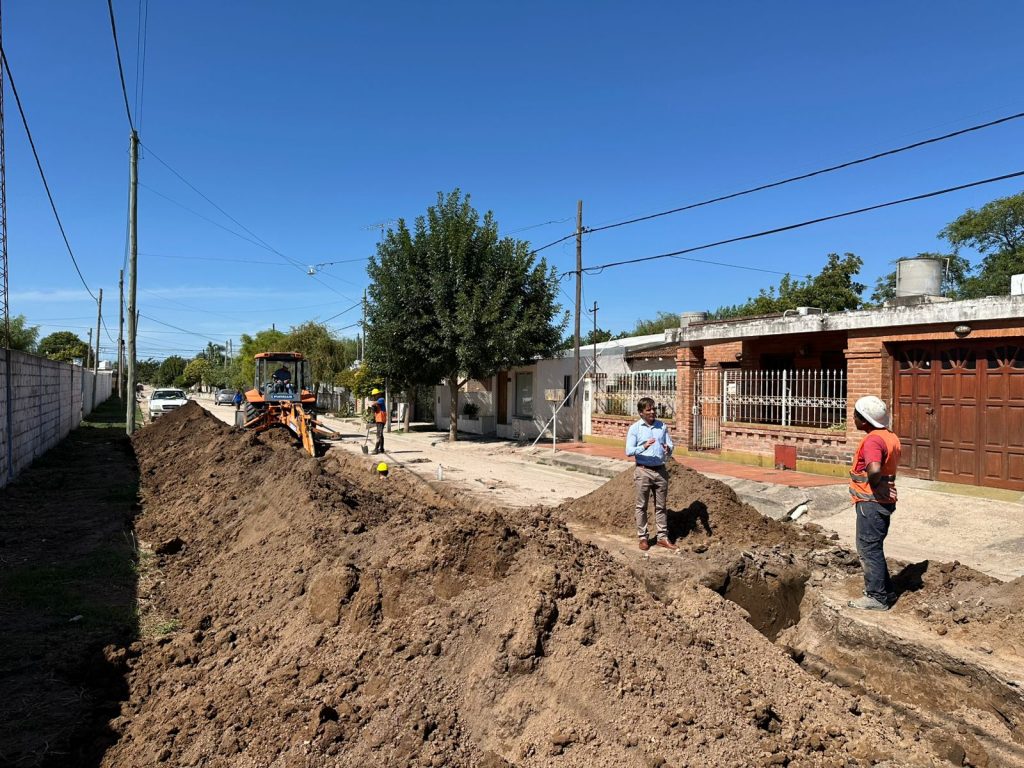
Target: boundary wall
(41, 401)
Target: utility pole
(593, 373)
(576, 402)
(96, 355)
(133, 263)
(120, 336)
(4, 307)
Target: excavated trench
(887, 661)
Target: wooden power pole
(133, 261)
(120, 335)
(576, 401)
(96, 354)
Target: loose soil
(306, 612)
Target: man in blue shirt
(650, 444)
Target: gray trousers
(647, 479)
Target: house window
(524, 395)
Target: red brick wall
(610, 426)
(811, 444)
(722, 353)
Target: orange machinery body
(277, 399)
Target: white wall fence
(41, 401)
(616, 394)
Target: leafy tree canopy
(450, 299)
(23, 336)
(171, 372)
(65, 346)
(997, 232)
(327, 356)
(831, 290)
(146, 370)
(270, 340)
(592, 337)
(198, 371)
(658, 324)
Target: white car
(163, 401)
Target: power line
(819, 172)
(39, 165)
(120, 69)
(675, 254)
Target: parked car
(163, 401)
(224, 397)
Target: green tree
(171, 371)
(327, 356)
(146, 370)
(831, 290)
(65, 346)
(591, 337)
(954, 273)
(23, 336)
(198, 371)
(658, 324)
(997, 232)
(451, 299)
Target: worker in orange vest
(380, 416)
(873, 493)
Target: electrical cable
(812, 174)
(676, 254)
(120, 69)
(39, 165)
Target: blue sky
(310, 122)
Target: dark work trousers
(379, 447)
(872, 527)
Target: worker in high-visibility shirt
(380, 417)
(873, 493)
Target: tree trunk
(408, 408)
(453, 423)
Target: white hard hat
(873, 411)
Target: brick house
(781, 389)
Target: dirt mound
(699, 509)
(317, 615)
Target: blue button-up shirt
(639, 434)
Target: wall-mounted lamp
(803, 350)
(739, 355)
(961, 330)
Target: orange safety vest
(379, 415)
(860, 488)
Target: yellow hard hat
(382, 467)
(374, 391)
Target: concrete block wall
(46, 399)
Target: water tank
(919, 277)
(685, 318)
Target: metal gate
(707, 409)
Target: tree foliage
(269, 340)
(146, 370)
(171, 372)
(450, 299)
(997, 232)
(658, 324)
(327, 356)
(65, 346)
(198, 371)
(23, 336)
(831, 290)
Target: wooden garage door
(960, 412)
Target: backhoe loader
(280, 398)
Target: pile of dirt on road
(313, 614)
(700, 510)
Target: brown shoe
(644, 545)
(667, 544)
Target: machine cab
(281, 376)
